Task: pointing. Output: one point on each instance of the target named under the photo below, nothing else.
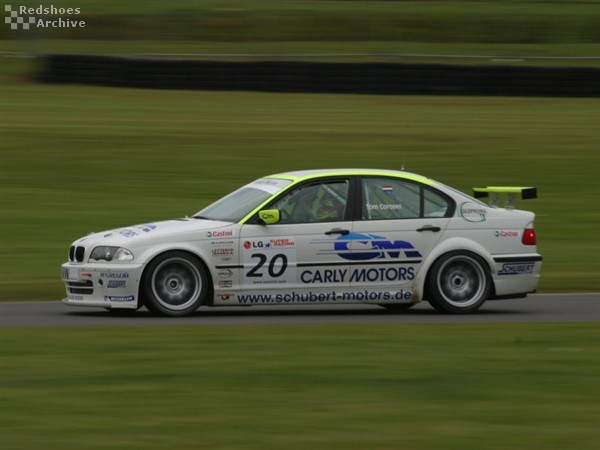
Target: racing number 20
(272, 269)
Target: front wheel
(174, 284)
(459, 283)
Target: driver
(329, 209)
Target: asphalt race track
(534, 308)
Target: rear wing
(495, 192)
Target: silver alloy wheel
(176, 283)
(461, 281)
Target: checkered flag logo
(14, 20)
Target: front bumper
(102, 285)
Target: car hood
(139, 234)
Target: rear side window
(434, 204)
(393, 199)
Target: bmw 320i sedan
(382, 237)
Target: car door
(399, 223)
(293, 260)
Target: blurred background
(80, 158)
(84, 156)
(532, 28)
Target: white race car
(381, 237)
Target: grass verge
(76, 159)
(336, 387)
(518, 54)
(483, 21)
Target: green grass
(385, 51)
(546, 23)
(503, 30)
(77, 159)
(492, 386)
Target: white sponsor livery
(380, 237)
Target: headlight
(106, 253)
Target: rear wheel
(459, 283)
(175, 284)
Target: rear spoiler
(494, 193)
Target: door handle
(429, 228)
(337, 231)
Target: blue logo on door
(365, 247)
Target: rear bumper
(516, 275)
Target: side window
(322, 202)
(388, 199)
(385, 198)
(434, 204)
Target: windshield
(237, 205)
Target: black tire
(174, 284)
(459, 283)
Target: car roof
(302, 175)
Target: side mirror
(269, 216)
